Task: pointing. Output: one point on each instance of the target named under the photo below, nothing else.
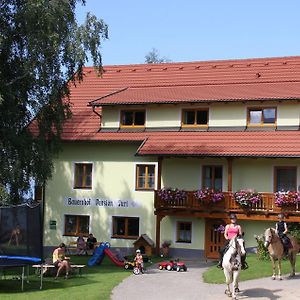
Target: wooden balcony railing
(266, 205)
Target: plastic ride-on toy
(138, 269)
(129, 265)
(173, 265)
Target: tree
(41, 48)
(153, 58)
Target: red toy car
(173, 265)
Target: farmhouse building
(146, 141)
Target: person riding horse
(231, 231)
(281, 229)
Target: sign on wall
(52, 224)
(97, 202)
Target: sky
(196, 30)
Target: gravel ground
(156, 284)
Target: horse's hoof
(273, 277)
(280, 278)
(237, 290)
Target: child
(281, 229)
(139, 260)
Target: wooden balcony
(266, 208)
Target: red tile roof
(238, 144)
(203, 93)
(227, 80)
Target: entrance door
(214, 239)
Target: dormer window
(194, 117)
(133, 118)
(262, 116)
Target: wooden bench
(71, 248)
(44, 268)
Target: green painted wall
(259, 173)
(220, 114)
(113, 178)
(186, 173)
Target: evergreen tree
(41, 48)
(153, 57)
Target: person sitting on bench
(60, 261)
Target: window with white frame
(83, 175)
(261, 116)
(77, 224)
(184, 232)
(285, 179)
(145, 177)
(125, 227)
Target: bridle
(270, 237)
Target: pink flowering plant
(247, 197)
(220, 228)
(286, 198)
(170, 194)
(209, 195)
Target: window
(83, 176)
(75, 225)
(212, 177)
(262, 116)
(285, 179)
(184, 232)
(125, 227)
(145, 177)
(132, 118)
(195, 117)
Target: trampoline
(20, 238)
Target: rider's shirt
(233, 231)
(280, 227)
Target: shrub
(262, 252)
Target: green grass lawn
(96, 283)
(257, 269)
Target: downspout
(99, 115)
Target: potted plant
(288, 198)
(220, 228)
(208, 195)
(165, 248)
(247, 197)
(170, 194)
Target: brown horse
(276, 251)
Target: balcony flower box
(247, 198)
(209, 196)
(283, 199)
(171, 194)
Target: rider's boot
(244, 263)
(219, 265)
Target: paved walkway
(156, 284)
